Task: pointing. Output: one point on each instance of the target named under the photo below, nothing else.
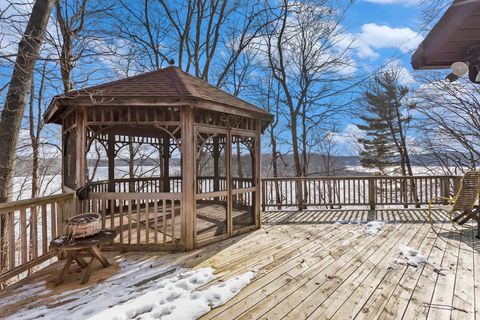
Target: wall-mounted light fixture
(459, 69)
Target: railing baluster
(147, 221)
(129, 220)
(155, 210)
(33, 231)
(53, 219)
(173, 220)
(44, 230)
(138, 220)
(120, 212)
(23, 235)
(11, 240)
(164, 225)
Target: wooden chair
(464, 200)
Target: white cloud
(404, 76)
(373, 37)
(347, 139)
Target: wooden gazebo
(182, 158)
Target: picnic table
(76, 249)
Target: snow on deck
(149, 288)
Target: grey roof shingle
(170, 82)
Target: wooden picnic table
(76, 249)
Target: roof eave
(440, 35)
(52, 109)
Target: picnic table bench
(76, 249)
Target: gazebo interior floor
(146, 224)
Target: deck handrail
(30, 225)
(26, 203)
(330, 191)
(359, 177)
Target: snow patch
(371, 227)
(412, 257)
(352, 221)
(143, 289)
(374, 227)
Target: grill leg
(478, 230)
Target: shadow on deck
(327, 216)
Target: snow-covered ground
(143, 289)
(417, 170)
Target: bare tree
(432, 10)
(269, 92)
(16, 99)
(197, 24)
(449, 123)
(304, 56)
(79, 23)
(142, 29)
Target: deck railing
(329, 192)
(29, 227)
(150, 218)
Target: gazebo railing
(30, 225)
(370, 191)
(140, 218)
(207, 183)
(155, 184)
(152, 184)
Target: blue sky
(385, 30)
(390, 28)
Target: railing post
(445, 189)
(299, 194)
(372, 193)
(456, 184)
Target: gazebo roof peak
(158, 87)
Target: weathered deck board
(401, 296)
(310, 267)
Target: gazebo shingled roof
(157, 87)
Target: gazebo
(168, 160)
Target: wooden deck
(308, 266)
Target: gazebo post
(111, 161)
(229, 182)
(80, 132)
(188, 178)
(166, 164)
(216, 171)
(257, 174)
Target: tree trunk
(273, 141)
(35, 144)
(407, 165)
(297, 162)
(16, 100)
